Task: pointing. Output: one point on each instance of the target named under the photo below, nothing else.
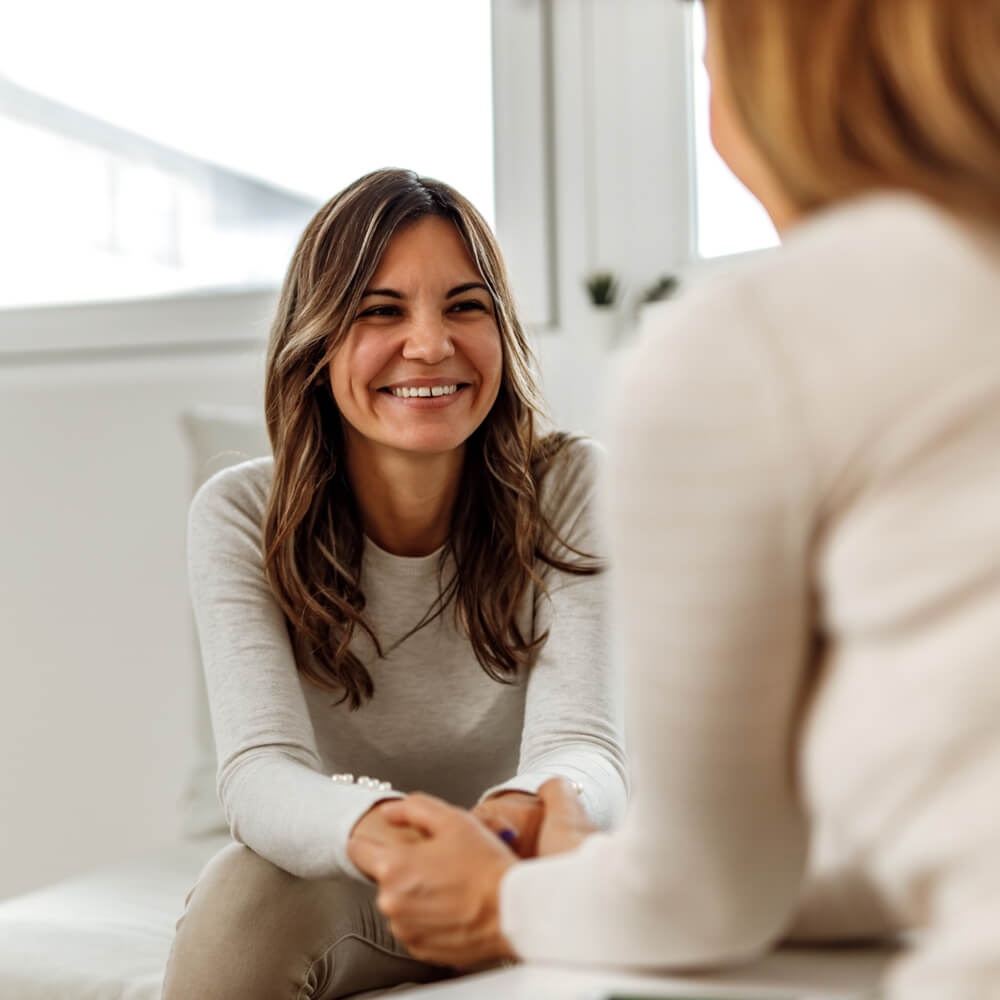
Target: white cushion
(101, 936)
(217, 437)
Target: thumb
(421, 811)
(561, 801)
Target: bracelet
(362, 782)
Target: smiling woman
(411, 529)
(420, 366)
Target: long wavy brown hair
(313, 538)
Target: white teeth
(405, 392)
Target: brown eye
(379, 311)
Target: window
(155, 148)
(728, 218)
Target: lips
(425, 393)
(413, 388)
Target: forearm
(841, 906)
(708, 537)
(293, 816)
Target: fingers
(424, 812)
(489, 817)
(504, 826)
(460, 947)
(560, 798)
(373, 853)
(367, 856)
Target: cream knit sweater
(805, 526)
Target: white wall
(95, 642)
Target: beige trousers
(251, 931)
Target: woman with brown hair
(811, 444)
(403, 598)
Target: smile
(405, 392)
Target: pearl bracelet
(362, 782)
(385, 786)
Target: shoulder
(235, 496)
(696, 351)
(884, 245)
(879, 272)
(866, 277)
(873, 226)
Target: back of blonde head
(847, 96)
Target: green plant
(663, 288)
(602, 287)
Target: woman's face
(421, 364)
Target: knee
(243, 932)
(237, 865)
(239, 890)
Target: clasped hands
(439, 868)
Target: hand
(441, 893)
(376, 832)
(564, 824)
(518, 812)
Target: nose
(428, 340)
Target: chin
(427, 443)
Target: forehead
(427, 248)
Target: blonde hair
(848, 96)
(313, 538)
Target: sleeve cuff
(603, 803)
(528, 782)
(535, 906)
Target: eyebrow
(391, 293)
(467, 287)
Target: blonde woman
(811, 445)
(404, 598)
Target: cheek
(339, 370)
(487, 356)
(719, 114)
(717, 123)
(356, 364)
(730, 139)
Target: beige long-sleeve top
(804, 496)
(437, 723)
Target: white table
(789, 974)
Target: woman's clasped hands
(439, 867)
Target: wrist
(509, 793)
(370, 814)
(503, 948)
